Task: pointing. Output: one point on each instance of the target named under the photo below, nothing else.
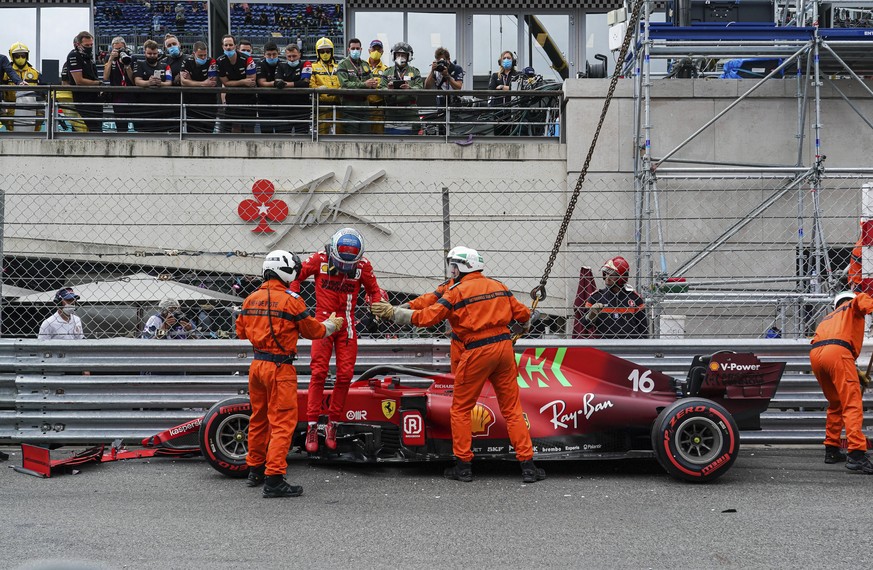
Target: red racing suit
(480, 310)
(835, 346)
(428, 299)
(271, 319)
(335, 292)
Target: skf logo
(263, 207)
(388, 408)
(482, 418)
(713, 366)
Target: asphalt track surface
(776, 508)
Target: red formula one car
(579, 403)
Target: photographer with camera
(444, 73)
(118, 72)
(169, 323)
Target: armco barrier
(140, 387)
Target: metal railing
(51, 112)
(137, 388)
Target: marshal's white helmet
(841, 297)
(468, 260)
(282, 264)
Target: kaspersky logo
(482, 419)
(533, 371)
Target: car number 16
(642, 382)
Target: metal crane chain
(538, 293)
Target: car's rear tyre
(695, 439)
(224, 436)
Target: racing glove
(385, 310)
(594, 312)
(332, 324)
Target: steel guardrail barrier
(137, 388)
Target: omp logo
(734, 367)
(482, 418)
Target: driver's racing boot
(330, 435)
(276, 486)
(256, 476)
(833, 454)
(530, 473)
(460, 471)
(858, 461)
(312, 438)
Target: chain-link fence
(759, 255)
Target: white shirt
(56, 328)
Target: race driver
(835, 346)
(271, 319)
(339, 271)
(479, 310)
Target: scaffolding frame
(812, 50)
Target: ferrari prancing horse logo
(388, 408)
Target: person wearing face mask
(480, 311)
(273, 117)
(174, 58)
(118, 72)
(354, 73)
(401, 112)
(238, 71)
(25, 74)
(246, 48)
(83, 73)
(377, 68)
(501, 80)
(63, 324)
(324, 77)
(296, 74)
(151, 76)
(200, 71)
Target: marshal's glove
(332, 324)
(382, 310)
(863, 380)
(385, 310)
(594, 311)
(279, 84)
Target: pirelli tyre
(224, 436)
(695, 439)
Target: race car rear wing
(737, 380)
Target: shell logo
(713, 366)
(482, 419)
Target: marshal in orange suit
(835, 346)
(479, 310)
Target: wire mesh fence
(759, 254)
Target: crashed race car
(578, 402)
